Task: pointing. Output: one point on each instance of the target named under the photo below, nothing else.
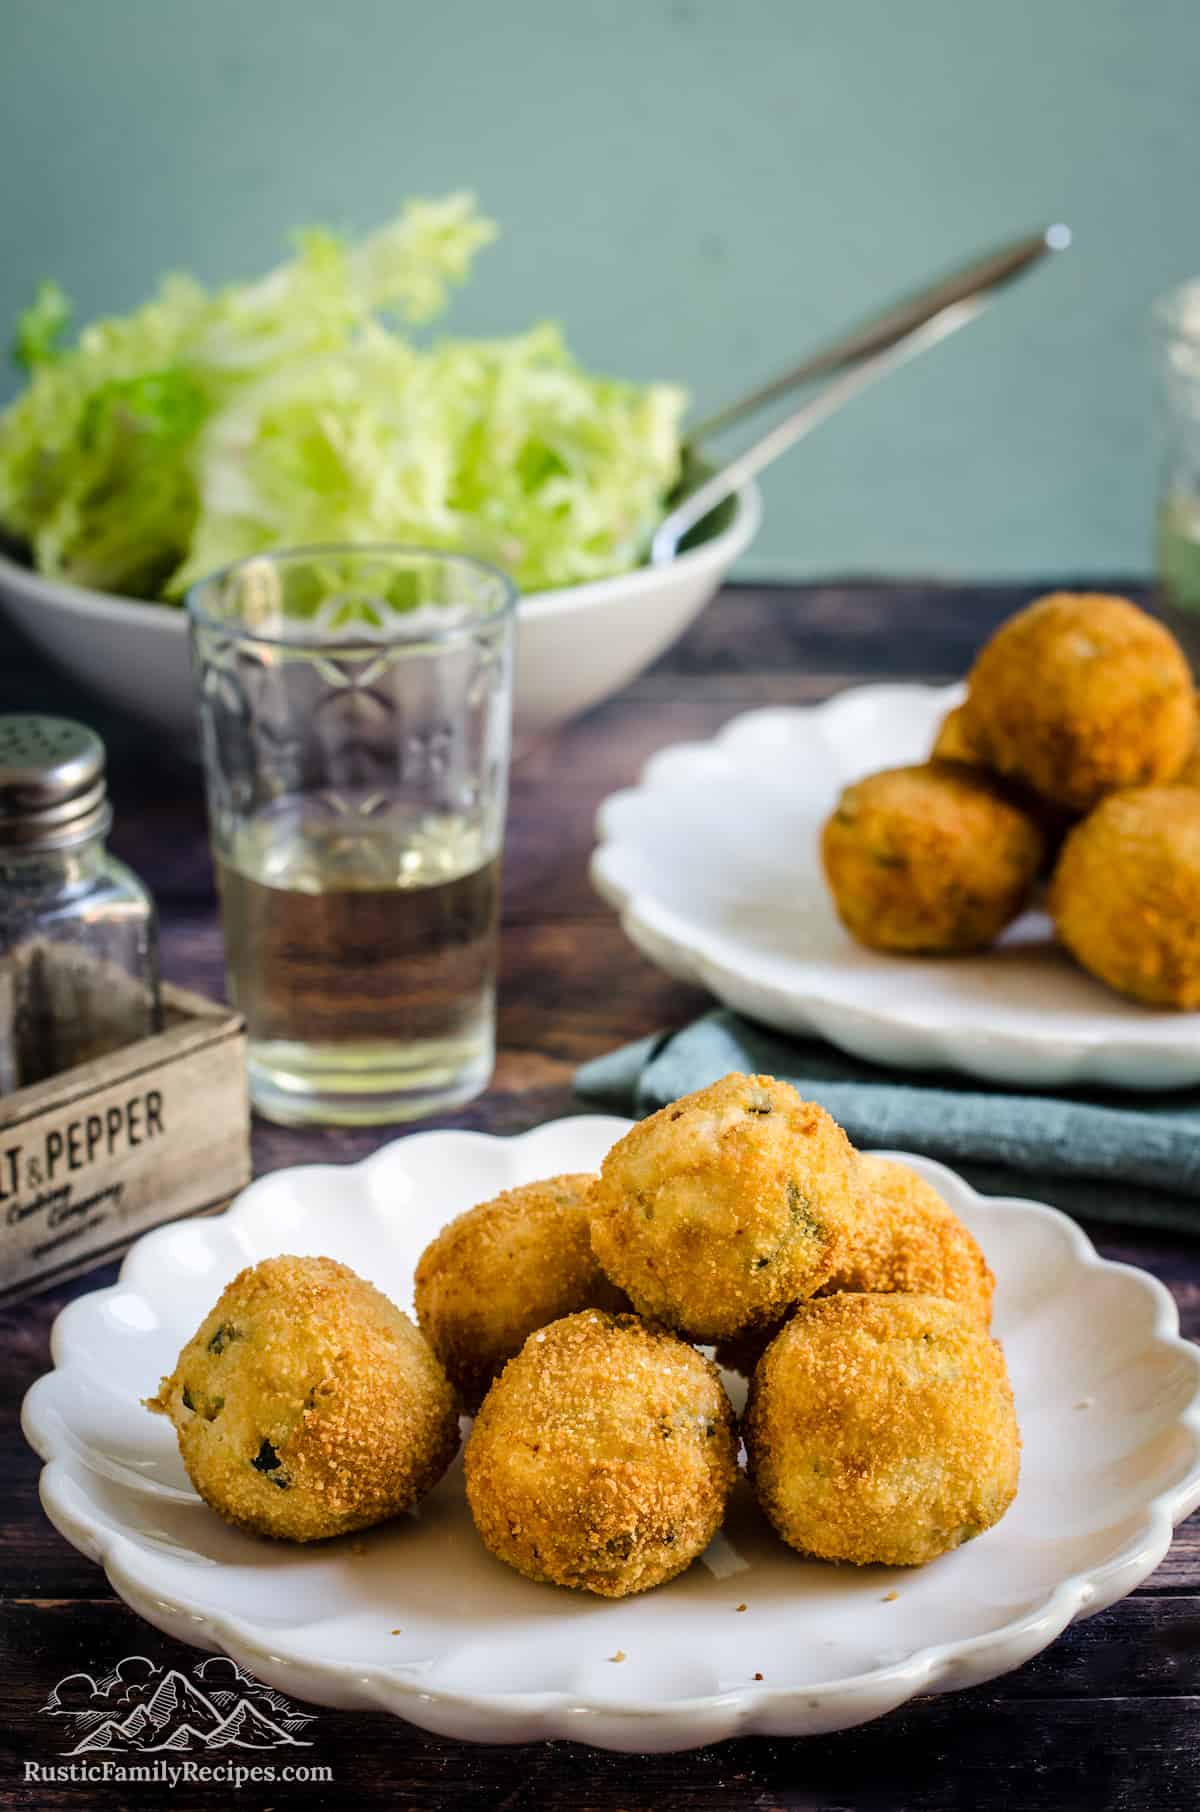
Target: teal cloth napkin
(1099, 1155)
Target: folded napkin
(1100, 1155)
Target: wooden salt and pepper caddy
(91, 1158)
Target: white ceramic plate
(1107, 1393)
(712, 862)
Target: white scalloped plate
(712, 862)
(1107, 1393)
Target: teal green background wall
(699, 189)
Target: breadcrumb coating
(882, 1429)
(602, 1457)
(1081, 694)
(1125, 896)
(307, 1405)
(503, 1269)
(952, 741)
(1189, 773)
(908, 1241)
(718, 1211)
(932, 860)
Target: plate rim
(1122, 1057)
(755, 1708)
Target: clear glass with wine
(355, 707)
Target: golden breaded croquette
(881, 1429)
(1125, 896)
(721, 1209)
(932, 860)
(953, 743)
(307, 1405)
(504, 1269)
(603, 1456)
(1081, 694)
(1189, 773)
(908, 1241)
(953, 739)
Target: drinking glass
(355, 707)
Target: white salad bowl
(576, 645)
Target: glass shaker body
(78, 930)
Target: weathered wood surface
(1109, 1717)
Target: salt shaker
(78, 931)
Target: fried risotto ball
(953, 743)
(931, 860)
(504, 1269)
(1079, 695)
(953, 739)
(1189, 773)
(603, 1456)
(881, 1429)
(721, 1209)
(1125, 896)
(909, 1241)
(307, 1405)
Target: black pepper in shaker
(78, 931)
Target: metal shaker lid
(52, 789)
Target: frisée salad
(298, 409)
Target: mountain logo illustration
(107, 1736)
(140, 1706)
(247, 1728)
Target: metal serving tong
(855, 360)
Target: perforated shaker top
(52, 790)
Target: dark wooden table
(1109, 1717)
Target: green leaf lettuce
(296, 409)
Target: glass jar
(1176, 321)
(78, 933)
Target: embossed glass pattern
(355, 710)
